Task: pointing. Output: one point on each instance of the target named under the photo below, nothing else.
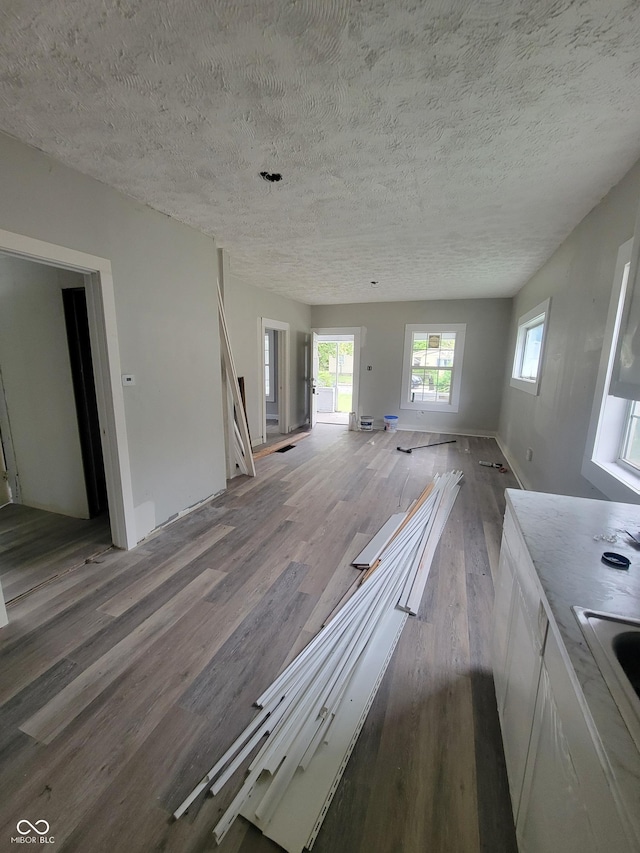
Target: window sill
(430, 407)
(614, 481)
(529, 385)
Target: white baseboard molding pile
(313, 712)
(367, 557)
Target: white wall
(164, 281)
(244, 306)
(578, 278)
(36, 374)
(380, 389)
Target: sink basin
(626, 647)
(614, 642)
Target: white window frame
(537, 316)
(625, 438)
(453, 405)
(601, 464)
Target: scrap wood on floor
(261, 452)
(313, 712)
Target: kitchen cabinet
(518, 671)
(556, 803)
(560, 795)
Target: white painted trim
(239, 437)
(608, 414)
(530, 386)
(358, 340)
(8, 464)
(284, 370)
(367, 557)
(624, 379)
(101, 309)
(477, 433)
(106, 367)
(510, 462)
(453, 405)
(313, 381)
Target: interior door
(313, 381)
(77, 323)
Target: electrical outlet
(529, 454)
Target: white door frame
(284, 392)
(10, 489)
(356, 331)
(106, 368)
(6, 491)
(313, 381)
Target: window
(612, 454)
(432, 367)
(527, 362)
(630, 450)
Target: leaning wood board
(261, 452)
(243, 453)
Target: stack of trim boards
(312, 714)
(370, 554)
(238, 427)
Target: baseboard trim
(470, 433)
(515, 470)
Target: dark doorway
(77, 322)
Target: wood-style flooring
(122, 681)
(36, 546)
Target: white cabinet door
(566, 798)
(522, 671)
(501, 619)
(552, 815)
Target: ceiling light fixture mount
(271, 177)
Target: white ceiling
(443, 149)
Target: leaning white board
(3, 610)
(367, 557)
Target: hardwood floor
(36, 546)
(122, 682)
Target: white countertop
(559, 533)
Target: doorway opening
(336, 356)
(43, 475)
(271, 382)
(274, 348)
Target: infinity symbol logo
(32, 827)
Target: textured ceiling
(443, 149)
